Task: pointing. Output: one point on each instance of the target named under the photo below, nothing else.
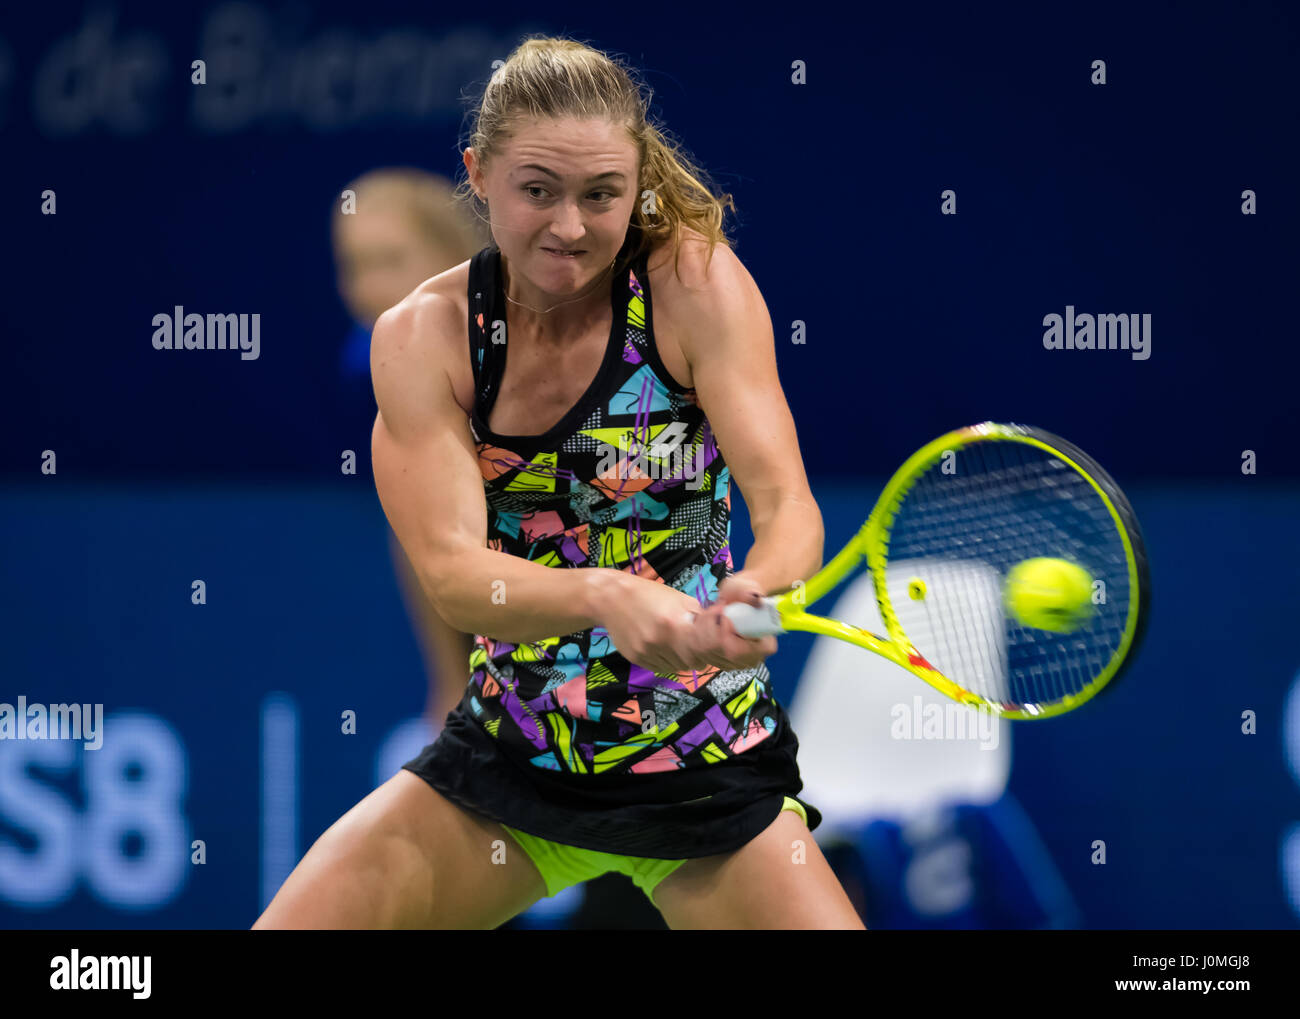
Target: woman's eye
(537, 193)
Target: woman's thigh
(407, 857)
(779, 880)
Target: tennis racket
(943, 546)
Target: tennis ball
(1049, 594)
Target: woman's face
(560, 186)
(381, 256)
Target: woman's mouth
(558, 253)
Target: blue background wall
(1123, 198)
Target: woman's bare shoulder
(425, 334)
(690, 284)
(691, 267)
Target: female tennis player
(558, 481)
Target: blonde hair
(550, 77)
(430, 203)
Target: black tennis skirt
(670, 815)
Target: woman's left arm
(726, 336)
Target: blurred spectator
(403, 227)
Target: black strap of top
(484, 355)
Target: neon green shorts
(564, 866)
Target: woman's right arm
(428, 480)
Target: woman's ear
(471, 166)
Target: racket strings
(961, 528)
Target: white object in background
(862, 722)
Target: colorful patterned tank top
(629, 479)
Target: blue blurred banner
(226, 749)
(893, 321)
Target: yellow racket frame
(872, 543)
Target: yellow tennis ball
(1049, 594)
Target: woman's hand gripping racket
(1008, 568)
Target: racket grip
(752, 622)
